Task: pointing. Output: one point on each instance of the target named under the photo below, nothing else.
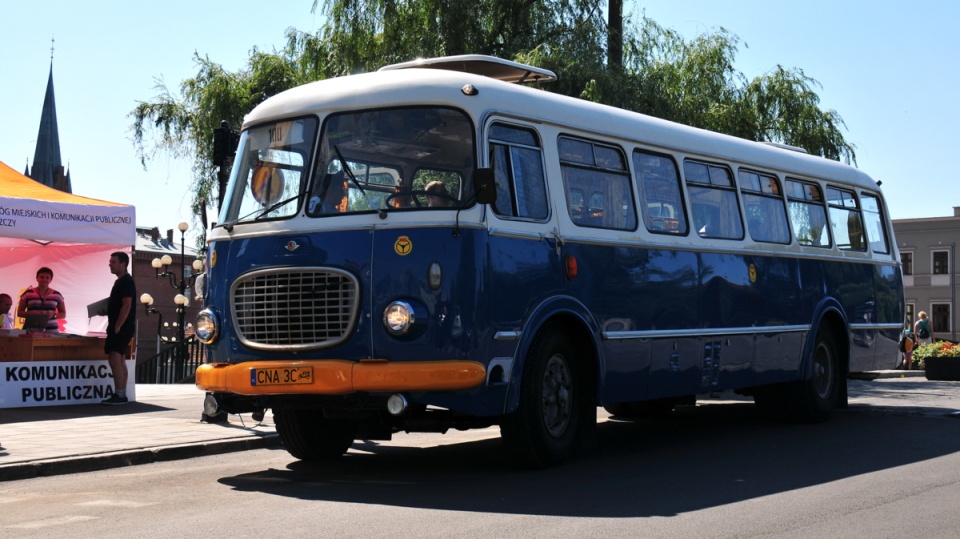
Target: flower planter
(942, 368)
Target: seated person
(331, 195)
(6, 318)
(43, 298)
(437, 201)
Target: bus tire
(543, 431)
(308, 435)
(814, 400)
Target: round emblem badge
(403, 246)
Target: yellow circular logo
(753, 273)
(403, 246)
(213, 258)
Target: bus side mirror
(484, 186)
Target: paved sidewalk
(165, 425)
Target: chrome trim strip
(867, 327)
(507, 335)
(700, 332)
(518, 234)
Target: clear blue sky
(889, 69)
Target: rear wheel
(543, 430)
(308, 435)
(812, 400)
(815, 399)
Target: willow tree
(694, 82)
(648, 69)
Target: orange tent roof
(16, 185)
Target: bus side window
(662, 199)
(601, 171)
(713, 201)
(845, 219)
(763, 204)
(518, 173)
(873, 218)
(808, 215)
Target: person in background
(6, 318)
(922, 328)
(907, 344)
(121, 325)
(434, 189)
(43, 298)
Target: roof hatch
(479, 64)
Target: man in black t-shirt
(121, 324)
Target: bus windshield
(409, 158)
(270, 171)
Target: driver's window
(518, 173)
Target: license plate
(282, 376)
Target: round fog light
(396, 404)
(210, 405)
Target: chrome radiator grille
(304, 309)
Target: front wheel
(308, 435)
(543, 430)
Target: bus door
(523, 246)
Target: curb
(893, 373)
(119, 459)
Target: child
(908, 341)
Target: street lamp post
(180, 283)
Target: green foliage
(935, 349)
(662, 74)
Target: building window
(941, 317)
(907, 261)
(911, 309)
(941, 265)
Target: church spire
(47, 168)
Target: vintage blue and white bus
(440, 245)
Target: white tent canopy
(70, 234)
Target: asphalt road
(710, 471)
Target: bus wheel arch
(556, 412)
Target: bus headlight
(206, 326)
(399, 317)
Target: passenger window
(845, 219)
(601, 172)
(763, 206)
(660, 194)
(518, 172)
(713, 201)
(873, 218)
(808, 215)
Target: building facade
(928, 250)
(157, 331)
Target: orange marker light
(571, 264)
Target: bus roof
(412, 85)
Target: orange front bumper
(338, 377)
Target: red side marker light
(571, 266)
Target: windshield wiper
(229, 226)
(381, 212)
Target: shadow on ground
(700, 457)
